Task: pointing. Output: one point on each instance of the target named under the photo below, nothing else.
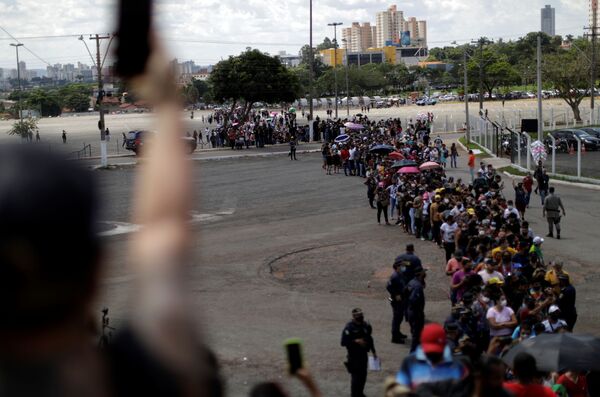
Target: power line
(25, 47)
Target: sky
(207, 31)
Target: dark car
(593, 131)
(565, 139)
(135, 141)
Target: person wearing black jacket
(396, 287)
(358, 340)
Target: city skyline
(221, 28)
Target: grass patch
(512, 170)
(474, 146)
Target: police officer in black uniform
(396, 287)
(415, 309)
(358, 340)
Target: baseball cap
(433, 338)
(553, 309)
(357, 312)
(471, 211)
(538, 240)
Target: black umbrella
(382, 149)
(406, 163)
(559, 352)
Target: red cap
(433, 338)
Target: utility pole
(335, 25)
(19, 79)
(594, 34)
(99, 63)
(539, 88)
(347, 81)
(310, 71)
(468, 122)
(481, 41)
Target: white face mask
(503, 303)
(510, 208)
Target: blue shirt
(416, 369)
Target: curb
(215, 158)
(560, 182)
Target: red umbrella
(409, 170)
(396, 156)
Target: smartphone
(293, 349)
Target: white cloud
(284, 24)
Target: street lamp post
(347, 80)
(335, 25)
(19, 79)
(310, 71)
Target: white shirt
(501, 317)
(486, 277)
(448, 232)
(507, 213)
(352, 154)
(553, 328)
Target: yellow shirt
(500, 250)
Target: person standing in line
(358, 340)
(471, 165)
(107, 135)
(383, 201)
(551, 211)
(64, 137)
(453, 155)
(528, 186)
(448, 231)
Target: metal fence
(507, 141)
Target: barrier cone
(571, 150)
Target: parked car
(566, 139)
(593, 131)
(135, 141)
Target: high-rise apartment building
(594, 7)
(417, 30)
(548, 20)
(358, 38)
(389, 23)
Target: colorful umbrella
(409, 170)
(396, 156)
(430, 165)
(354, 126)
(292, 110)
(342, 138)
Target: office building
(548, 20)
(416, 31)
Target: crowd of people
(502, 289)
(239, 129)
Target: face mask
(503, 303)
(510, 208)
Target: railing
(83, 153)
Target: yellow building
(329, 56)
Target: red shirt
(531, 390)
(345, 154)
(528, 183)
(578, 389)
(471, 161)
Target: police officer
(552, 207)
(410, 262)
(415, 306)
(358, 340)
(396, 286)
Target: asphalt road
(283, 250)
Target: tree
(318, 66)
(47, 102)
(23, 128)
(190, 94)
(569, 74)
(325, 45)
(202, 86)
(253, 77)
(77, 102)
